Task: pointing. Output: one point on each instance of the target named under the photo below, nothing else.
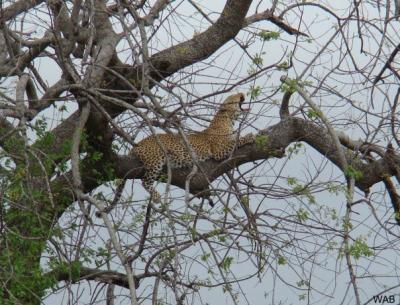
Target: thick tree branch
(161, 64)
(9, 137)
(394, 197)
(109, 276)
(17, 63)
(318, 138)
(17, 8)
(279, 136)
(104, 276)
(155, 11)
(202, 45)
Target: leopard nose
(241, 97)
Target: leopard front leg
(223, 149)
(247, 139)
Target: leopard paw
(155, 197)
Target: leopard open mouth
(241, 104)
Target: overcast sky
(219, 71)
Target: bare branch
(387, 64)
(155, 11)
(277, 20)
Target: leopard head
(233, 106)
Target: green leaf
(244, 200)
(351, 172)
(226, 263)
(261, 140)
(302, 215)
(254, 92)
(97, 155)
(268, 35)
(205, 257)
(359, 248)
(312, 114)
(257, 60)
(291, 180)
(283, 66)
(282, 260)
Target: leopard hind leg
(151, 175)
(204, 194)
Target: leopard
(217, 141)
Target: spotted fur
(217, 141)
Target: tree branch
(161, 64)
(277, 20)
(201, 46)
(279, 136)
(17, 8)
(104, 276)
